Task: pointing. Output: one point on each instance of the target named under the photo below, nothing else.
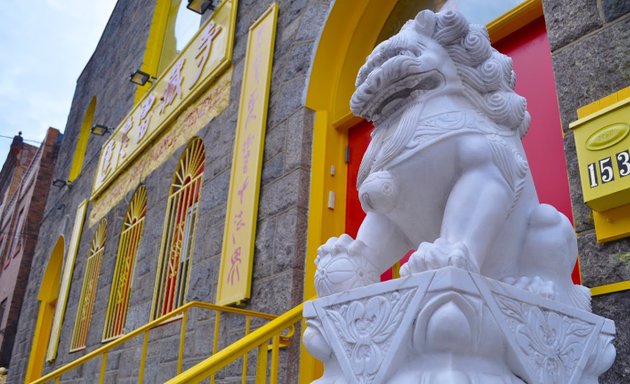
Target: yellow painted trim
(255, 87)
(515, 19)
(602, 103)
(82, 141)
(47, 297)
(153, 51)
(612, 224)
(66, 280)
(348, 37)
(600, 112)
(610, 288)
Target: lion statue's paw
(535, 284)
(438, 254)
(342, 265)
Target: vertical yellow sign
(235, 277)
(66, 279)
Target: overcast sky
(44, 45)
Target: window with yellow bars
(179, 228)
(88, 290)
(128, 245)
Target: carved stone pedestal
(453, 326)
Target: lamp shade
(140, 78)
(199, 6)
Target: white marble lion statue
(445, 172)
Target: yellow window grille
(128, 245)
(179, 228)
(88, 290)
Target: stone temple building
(210, 186)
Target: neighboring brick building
(176, 135)
(27, 173)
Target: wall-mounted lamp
(60, 183)
(200, 6)
(100, 129)
(141, 78)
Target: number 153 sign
(602, 142)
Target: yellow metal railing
(180, 313)
(268, 338)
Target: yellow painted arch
(348, 37)
(48, 292)
(82, 141)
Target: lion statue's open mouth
(390, 78)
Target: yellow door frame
(348, 37)
(47, 297)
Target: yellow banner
(188, 123)
(207, 55)
(66, 279)
(240, 219)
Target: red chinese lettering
(124, 138)
(203, 51)
(234, 275)
(146, 105)
(251, 106)
(143, 127)
(107, 159)
(246, 153)
(238, 220)
(174, 86)
(145, 108)
(241, 190)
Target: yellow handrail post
(182, 339)
(261, 368)
(143, 358)
(101, 378)
(248, 322)
(215, 339)
(275, 350)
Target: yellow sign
(66, 279)
(207, 55)
(188, 123)
(240, 219)
(602, 142)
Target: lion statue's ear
(425, 22)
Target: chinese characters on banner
(204, 59)
(240, 222)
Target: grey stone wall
(591, 56)
(282, 217)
